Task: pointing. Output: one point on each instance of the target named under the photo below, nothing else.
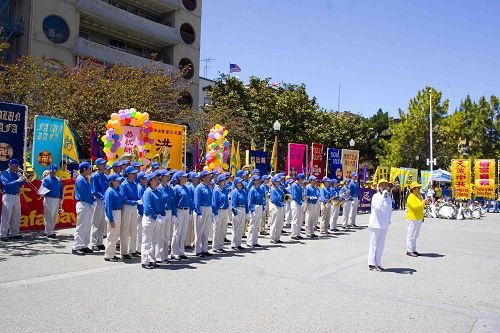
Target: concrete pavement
(319, 285)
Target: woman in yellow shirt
(415, 217)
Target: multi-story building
(125, 31)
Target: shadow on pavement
(432, 255)
(35, 244)
(400, 270)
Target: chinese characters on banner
(461, 179)
(47, 143)
(13, 118)
(32, 207)
(130, 139)
(295, 158)
(170, 138)
(335, 166)
(350, 160)
(484, 175)
(381, 172)
(260, 159)
(317, 166)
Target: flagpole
(327, 161)
(229, 75)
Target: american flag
(233, 68)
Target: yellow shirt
(415, 208)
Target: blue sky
(381, 52)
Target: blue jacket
(220, 199)
(9, 183)
(353, 186)
(325, 194)
(255, 197)
(140, 191)
(152, 203)
(168, 196)
(238, 198)
(54, 184)
(277, 197)
(82, 190)
(99, 184)
(296, 193)
(312, 194)
(129, 192)
(112, 201)
(182, 198)
(202, 197)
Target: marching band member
(286, 187)
(142, 183)
(164, 230)
(265, 187)
(194, 180)
(312, 206)
(203, 214)
(276, 210)
(98, 184)
(354, 189)
(84, 209)
(11, 202)
(113, 203)
(325, 195)
(128, 225)
(345, 192)
(220, 204)
(415, 217)
(296, 206)
(239, 207)
(52, 200)
(117, 167)
(256, 201)
(335, 209)
(155, 167)
(378, 224)
(151, 200)
(181, 212)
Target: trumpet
(338, 203)
(288, 197)
(29, 176)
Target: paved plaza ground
(319, 285)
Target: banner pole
(307, 159)
(26, 135)
(327, 161)
(32, 146)
(288, 160)
(185, 148)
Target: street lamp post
(276, 128)
(352, 143)
(430, 161)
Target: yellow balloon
(120, 151)
(106, 150)
(138, 115)
(147, 146)
(119, 130)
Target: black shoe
(135, 255)
(418, 254)
(126, 256)
(95, 248)
(411, 254)
(296, 237)
(243, 236)
(87, 250)
(52, 236)
(4, 239)
(155, 265)
(300, 237)
(335, 230)
(226, 240)
(314, 236)
(241, 248)
(234, 248)
(101, 247)
(264, 233)
(372, 268)
(138, 253)
(159, 261)
(283, 232)
(183, 256)
(148, 266)
(257, 245)
(19, 236)
(201, 255)
(380, 268)
(78, 252)
(114, 259)
(208, 254)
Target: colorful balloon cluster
(114, 132)
(218, 149)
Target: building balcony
(159, 6)
(109, 55)
(105, 15)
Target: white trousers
(98, 223)
(376, 248)
(354, 211)
(180, 231)
(128, 230)
(326, 208)
(50, 213)
(11, 215)
(84, 213)
(334, 216)
(148, 231)
(163, 235)
(113, 234)
(288, 213)
(276, 219)
(254, 225)
(238, 223)
(139, 233)
(203, 226)
(189, 239)
(412, 235)
(346, 210)
(296, 210)
(311, 217)
(220, 229)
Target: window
(189, 4)
(117, 44)
(186, 64)
(186, 100)
(84, 34)
(55, 29)
(187, 33)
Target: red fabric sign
(317, 166)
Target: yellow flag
(69, 144)
(274, 158)
(238, 157)
(252, 145)
(234, 160)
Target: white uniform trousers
(11, 215)
(203, 226)
(50, 213)
(84, 213)
(334, 216)
(139, 233)
(180, 231)
(238, 223)
(190, 230)
(265, 216)
(113, 234)
(163, 234)
(276, 220)
(128, 229)
(376, 248)
(412, 235)
(254, 225)
(149, 225)
(288, 213)
(354, 211)
(346, 210)
(311, 217)
(220, 229)
(326, 208)
(98, 227)
(296, 209)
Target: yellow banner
(69, 144)
(169, 140)
(485, 188)
(381, 172)
(484, 169)
(394, 173)
(461, 178)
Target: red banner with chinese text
(317, 165)
(32, 207)
(461, 179)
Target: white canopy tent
(441, 176)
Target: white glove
(20, 179)
(94, 204)
(248, 217)
(385, 193)
(139, 202)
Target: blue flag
(47, 143)
(13, 118)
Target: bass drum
(476, 213)
(447, 211)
